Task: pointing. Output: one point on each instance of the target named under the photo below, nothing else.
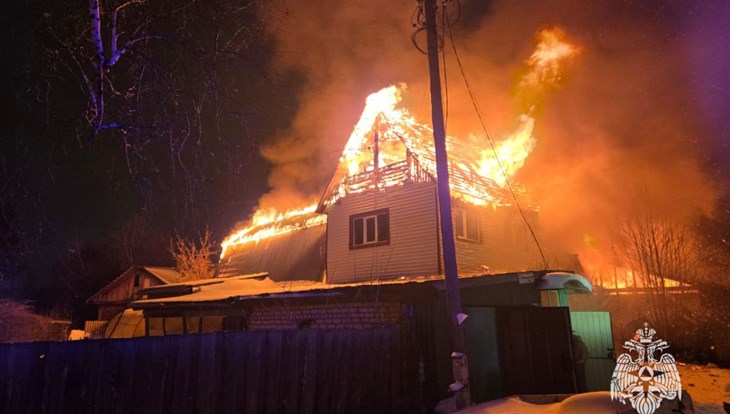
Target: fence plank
(288, 372)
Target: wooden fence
(344, 371)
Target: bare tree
(176, 85)
(194, 260)
(121, 108)
(665, 257)
(125, 52)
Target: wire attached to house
(491, 143)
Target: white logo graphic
(643, 380)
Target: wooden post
(458, 343)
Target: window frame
(364, 216)
(465, 213)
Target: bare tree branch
(128, 45)
(115, 15)
(95, 16)
(194, 259)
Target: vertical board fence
(595, 330)
(317, 371)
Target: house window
(466, 224)
(370, 229)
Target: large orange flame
(382, 103)
(511, 153)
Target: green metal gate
(594, 329)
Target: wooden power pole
(458, 343)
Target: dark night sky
(219, 126)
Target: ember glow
(617, 278)
(548, 63)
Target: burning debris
(548, 63)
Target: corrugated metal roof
(296, 255)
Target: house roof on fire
(418, 142)
(299, 254)
(294, 255)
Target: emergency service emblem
(643, 379)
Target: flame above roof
(415, 159)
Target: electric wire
(491, 143)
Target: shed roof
(166, 275)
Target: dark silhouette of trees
(129, 122)
(682, 274)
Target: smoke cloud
(623, 132)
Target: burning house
(378, 217)
(368, 254)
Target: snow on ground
(592, 402)
(708, 386)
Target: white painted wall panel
(505, 244)
(413, 248)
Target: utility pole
(458, 343)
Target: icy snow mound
(590, 402)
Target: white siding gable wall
(413, 248)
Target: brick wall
(325, 316)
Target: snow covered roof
(165, 274)
(258, 286)
(220, 289)
(565, 281)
